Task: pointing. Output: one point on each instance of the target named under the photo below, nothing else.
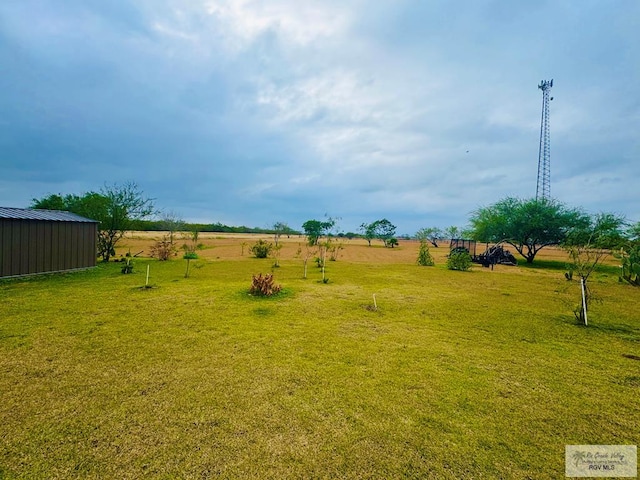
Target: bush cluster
(261, 249)
(264, 286)
(459, 260)
(424, 256)
(164, 249)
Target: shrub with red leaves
(264, 286)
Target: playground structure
(493, 255)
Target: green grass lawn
(481, 374)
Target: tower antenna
(543, 188)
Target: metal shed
(44, 241)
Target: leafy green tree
(633, 233)
(50, 202)
(381, 229)
(527, 225)
(452, 232)
(603, 230)
(431, 234)
(385, 231)
(124, 203)
(588, 245)
(115, 207)
(90, 205)
(368, 231)
(314, 229)
(629, 256)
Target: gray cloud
(251, 112)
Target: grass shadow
(625, 331)
(544, 265)
(559, 265)
(281, 295)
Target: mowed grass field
(480, 374)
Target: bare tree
(308, 252)
(279, 229)
(172, 222)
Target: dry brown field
(234, 246)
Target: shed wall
(36, 246)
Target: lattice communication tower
(543, 189)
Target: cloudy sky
(251, 112)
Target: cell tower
(543, 189)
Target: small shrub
(164, 249)
(188, 257)
(276, 256)
(459, 260)
(424, 256)
(264, 286)
(334, 251)
(127, 265)
(261, 249)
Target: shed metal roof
(46, 215)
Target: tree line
(529, 225)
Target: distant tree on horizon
(431, 234)
(381, 229)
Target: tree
(368, 231)
(51, 202)
(452, 232)
(124, 203)
(90, 205)
(115, 207)
(385, 231)
(172, 223)
(381, 229)
(277, 249)
(588, 245)
(629, 256)
(279, 229)
(527, 225)
(633, 233)
(314, 229)
(306, 255)
(603, 230)
(190, 248)
(432, 234)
